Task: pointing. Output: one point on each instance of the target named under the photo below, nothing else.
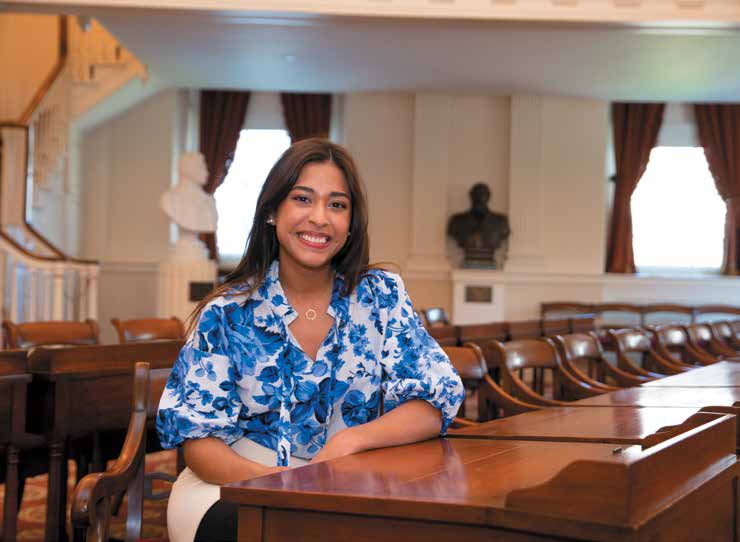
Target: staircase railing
(37, 280)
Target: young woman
(291, 358)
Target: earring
(271, 221)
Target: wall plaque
(478, 294)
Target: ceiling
(263, 52)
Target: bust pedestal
(184, 277)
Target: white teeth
(316, 239)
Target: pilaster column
(526, 185)
(431, 170)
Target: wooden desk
(721, 374)
(664, 397)
(628, 425)
(80, 391)
(478, 489)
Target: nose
(318, 216)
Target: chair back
(666, 313)
(30, 334)
(525, 329)
(617, 315)
(672, 338)
(559, 309)
(580, 347)
(556, 326)
(436, 316)
(630, 340)
(482, 333)
(148, 329)
(700, 335)
(704, 313)
(445, 335)
(584, 323)
(723, 332)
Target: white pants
(191, 497)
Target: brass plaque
(478, 294)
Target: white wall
(127, 163)
(378, 131)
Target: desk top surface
(628, 425)
(665, 397)
(502, 483)
(723, 374)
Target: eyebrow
(312, 191)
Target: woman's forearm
(214, 462)
(410, 422)
(407, 423)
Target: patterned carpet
(33, 508)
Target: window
(236, 198)
(677, 215)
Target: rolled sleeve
(200, 399)
(414, 365)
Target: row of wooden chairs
(26, 335)
(448, 335)
(641, 358)
(641, 314)
(564, 355)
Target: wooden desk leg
(10, 506)
(56, 499)
(250, 523)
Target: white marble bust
(186, 203)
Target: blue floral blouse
(243, 374)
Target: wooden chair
(667, 313)
(617, 315)
(529, 329)
(493, 401)
(31, 334)
(445, 335)
(724, 334)
(559, 309)
(482, 335)
(702, 340)
(672, 343)
(703, 313)
(584, 323)
(556, 326)
(630, 343)
(148, 329)
(95, 495)
(586, 348)
(435, 316)
(540, 353)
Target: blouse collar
(271, 291)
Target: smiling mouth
(314, 240)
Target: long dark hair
(262, 244)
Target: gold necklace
(311, 314)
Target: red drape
(222, 115)
(306, 115)
(636, 129)
(719, 134)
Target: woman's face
(312, 222)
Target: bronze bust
(479, 231)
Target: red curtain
(719, 134)
(222, 115)
(306, 115)
(636, 129)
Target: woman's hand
(343, 443)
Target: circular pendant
(311, 314)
